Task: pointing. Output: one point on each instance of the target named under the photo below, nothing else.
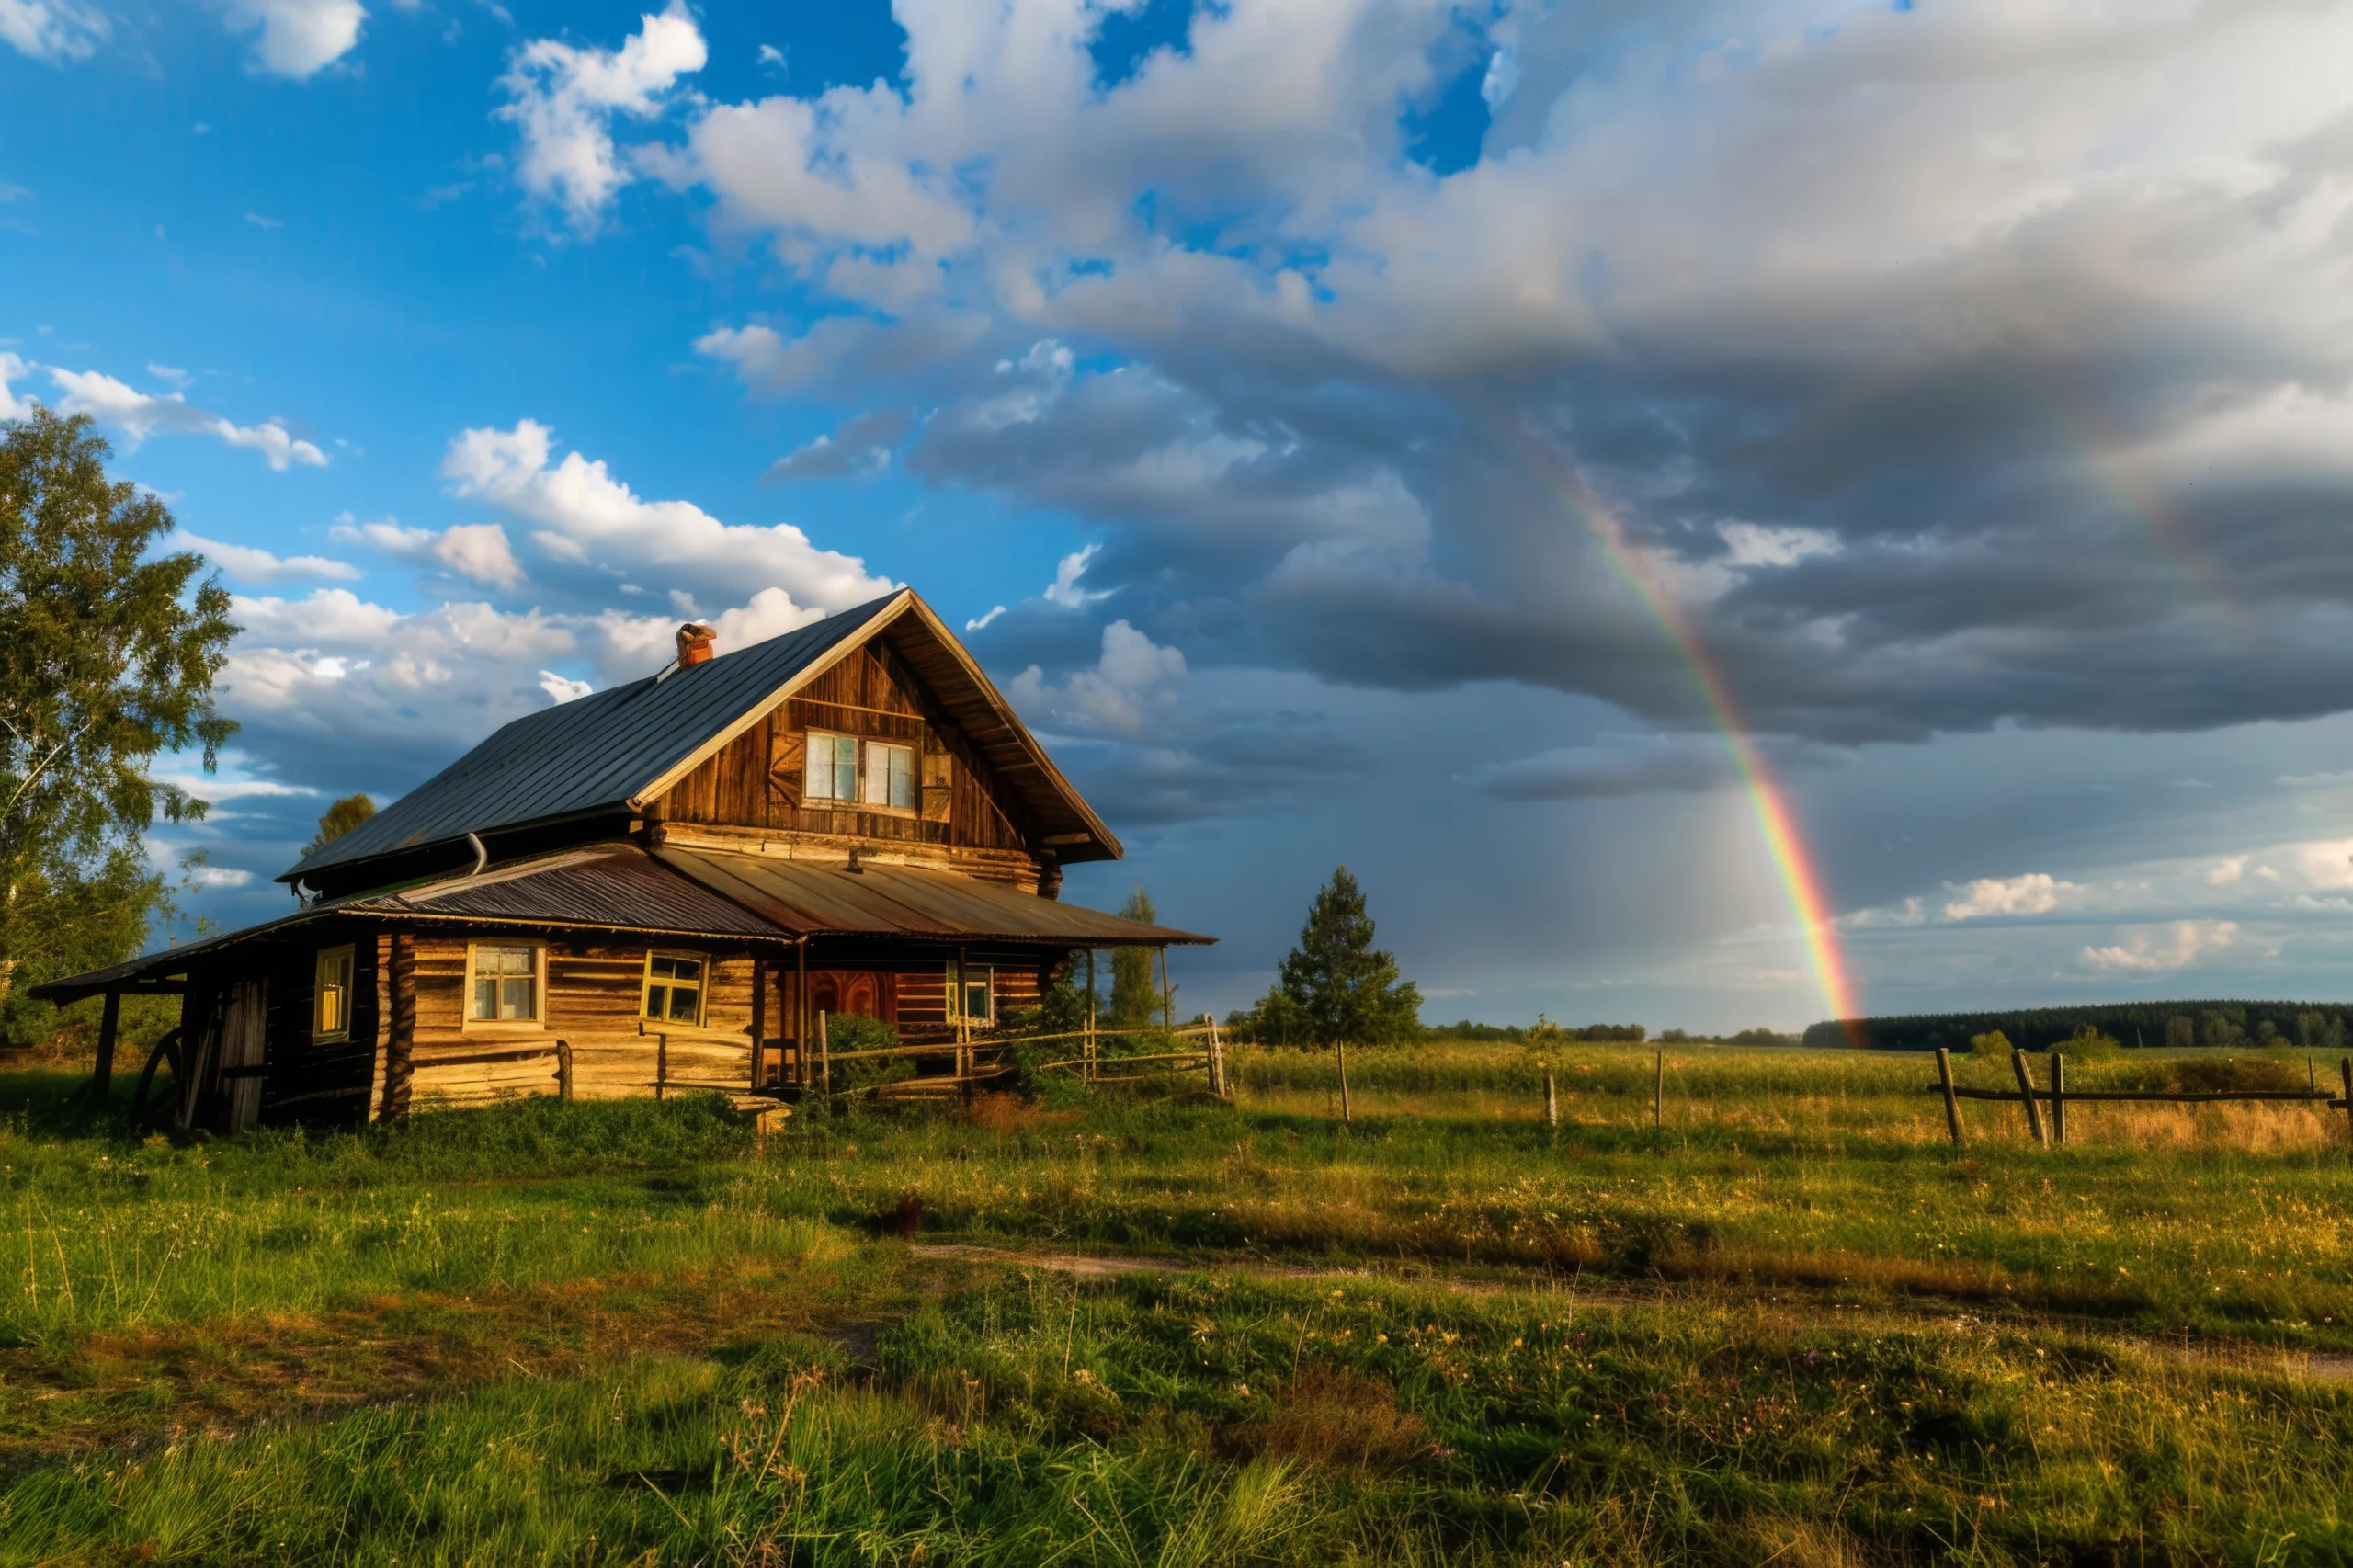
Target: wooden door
(244, 1035)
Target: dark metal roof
(594, 752)
(819, 898)
(617, 887)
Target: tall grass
(1778, 1317)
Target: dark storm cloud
(1924, 438)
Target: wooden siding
(593, 993)
(755, 782)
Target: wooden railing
(984, 1058)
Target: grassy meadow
(1776, 1317)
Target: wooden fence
(2051, 1129)
(983, 1059)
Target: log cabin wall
(305, 1079)
(966, 816)
(593, 993)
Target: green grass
(1778, 1315)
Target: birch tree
(108, 655)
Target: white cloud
(299, 37)
(52, 30)
(214, 789)
(207, 877)
(976, 624)
(2227, 871)
(477, 551)
(2183, 943)
(2037, 893)
(1064, 589)
(564, 98)
(1131, 687)
(586, 516)
(564, 689)
(12, 369)
(139, 415)
(251, 564)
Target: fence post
(1217, 1058)
(1343, 1048)
(1552, 1103)
(563, 1072)
(2058, 1099)
(1953, 1101)
(2345, 1066)
(661, 1065)
(2026, 1088)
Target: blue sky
(1976, 382)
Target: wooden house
(657, 887)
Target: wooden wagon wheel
(167, 1047)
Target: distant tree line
(2310, 1025)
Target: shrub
(847, 1032)
(1993, 1042)
(2089, 1045)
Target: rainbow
(1769, 801)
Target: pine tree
(1348, 989)
(1135, 996)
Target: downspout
(481, 856)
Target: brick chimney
(696, 642)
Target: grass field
(1787, 1322)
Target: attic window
(873, 774)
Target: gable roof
(621, 749)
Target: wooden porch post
(400, 1042)
(1167, 994)
(964, 1021)
(759, 1017)
(102, 1077)
(1089, 1046)
(801, 1068)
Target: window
(889, 776)
(331, 994)
(506, 984)
(972, 993)
(674, 987)
(866, 773)
(833, 766)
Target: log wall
(594, 991)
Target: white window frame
(869, 754)
(702, 986)
(349, 955)
(961, 976)
(867, 751)
(538, 1021)
(809, 769)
